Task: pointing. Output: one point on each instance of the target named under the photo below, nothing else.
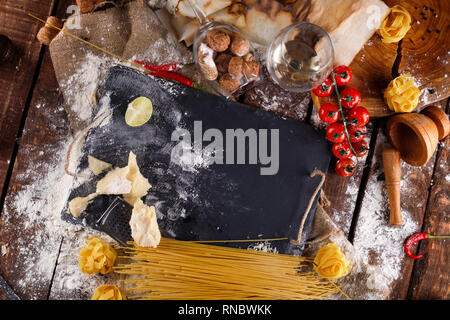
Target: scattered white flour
(37, 208)
(263, 246)
(81, 89)
(378, 247)
(189, 159)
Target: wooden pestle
(393, 173)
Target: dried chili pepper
(160, 68)
(164, 71)
(173, 76)
(416, 238)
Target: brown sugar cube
(240, 46)
(235, 67)
(251, 69)
(218, 40)
(229, 83)
(222, 62)
(47, 33)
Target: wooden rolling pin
(393, 175)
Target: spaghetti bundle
(183, 270)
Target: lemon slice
(139, 111)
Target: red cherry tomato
(350, 97)
(356, 133)
(345, 167)
(336, 132)
(361, 148)
(342, 150)
(325, 89)
(329, 113)
(359, 116)
(343, 75)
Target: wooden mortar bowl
(414, 135)
(440, 118)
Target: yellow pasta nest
(402, 95)
(97, 257)
(330, 262)
(395, 25)
(108, 292)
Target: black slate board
(215, 202)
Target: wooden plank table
(33, 124)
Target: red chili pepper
(173, 76)
(416, 238)
(163, 71)
(163, 67)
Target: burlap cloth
(132, 31)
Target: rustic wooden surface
(423, 53)
(27, 129)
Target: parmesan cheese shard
(139, 184)
(97, 166)
(115, 182)
(127, 181)
(78, 205)
(144, 225)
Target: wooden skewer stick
(393, 173)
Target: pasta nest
(97, 257)
(402, 95)
(330, 262)
(395, 26)
(108, 292)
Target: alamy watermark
(228, 148)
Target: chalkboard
(209, 201)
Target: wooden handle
(393, 174)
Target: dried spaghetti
(187, 270)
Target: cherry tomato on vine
(335, 132)
(345, 167)
(350, 98)
(329, 113)
(325, 89)
(343, 75)
(361, 148)
(359, 116)
(356, 133)
(342, 150)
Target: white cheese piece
(144, 225)
(115, 182)
(127, 181)
(78, 205)
(139, 184)
(97, 166)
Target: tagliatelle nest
(402, 95)
(330, 262)
(97, 257)
(108, 292)
(396, 25)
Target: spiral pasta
(97, 257)
(402, 95)
(330, 262)
(395, 25)
(108, 292)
